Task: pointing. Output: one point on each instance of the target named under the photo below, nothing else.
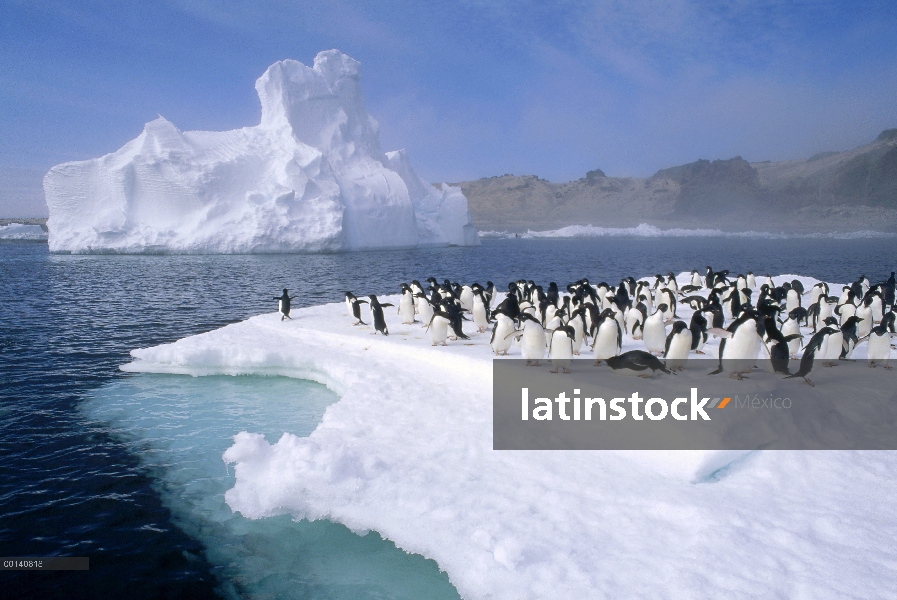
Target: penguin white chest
(504, 327)
(654, 333)
(744, 344)
(532, 343)
(479, 315)
(879, 348)
(680, 345)
(606, 343)
(439, 330)
(406, 308)
(561, 346)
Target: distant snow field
(18, 231)
(310, 177)
(645, 230)
(407, 451)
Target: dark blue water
(70, 485)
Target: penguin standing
(424, 308)
(577, 323)
(283, 305)
(792, 327)
(532, 340)
(466, 298)
(560, 348)
(830, 343)
(654, 332)
(480, 312)
(698, 328)
(354, 305)
(377, 315)
(879, 348)
(501, 333)
(696, 280)
(606, 336)
(778, 349)
(740, 345)
(849, 338)
(406, 305)
(866, 314)
(678, 345)
(635, 320)
(438, 327)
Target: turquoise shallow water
(179, 426)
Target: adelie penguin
(678, 345)
(636, 362)
(608, 338)
(698, 328)
(283, 305)
(532, 339)
(879, 348)
(377, 315)
(654, 331)
(740, 345)
(501, 334)
(560, 348)
(354, 305)
(438, 327)
(406, 305)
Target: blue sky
(471, 89)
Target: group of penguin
(548, 321)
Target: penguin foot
(596, 363)
(555, 371)
(699, 352)
(872, 365)
(887, 367)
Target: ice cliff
(310, 177)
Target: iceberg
(311, 177)
(407, 452)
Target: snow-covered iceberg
(310, 177)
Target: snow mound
(19, 231)
(407, 451)
(311, 177)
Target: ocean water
(126, 469)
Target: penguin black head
(662, 308)
(678, 327)
(831, 321)
(285, 292)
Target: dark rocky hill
(831, 191)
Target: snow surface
(310, 177)
(645, 230)
(407, 451)
(19, 231)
